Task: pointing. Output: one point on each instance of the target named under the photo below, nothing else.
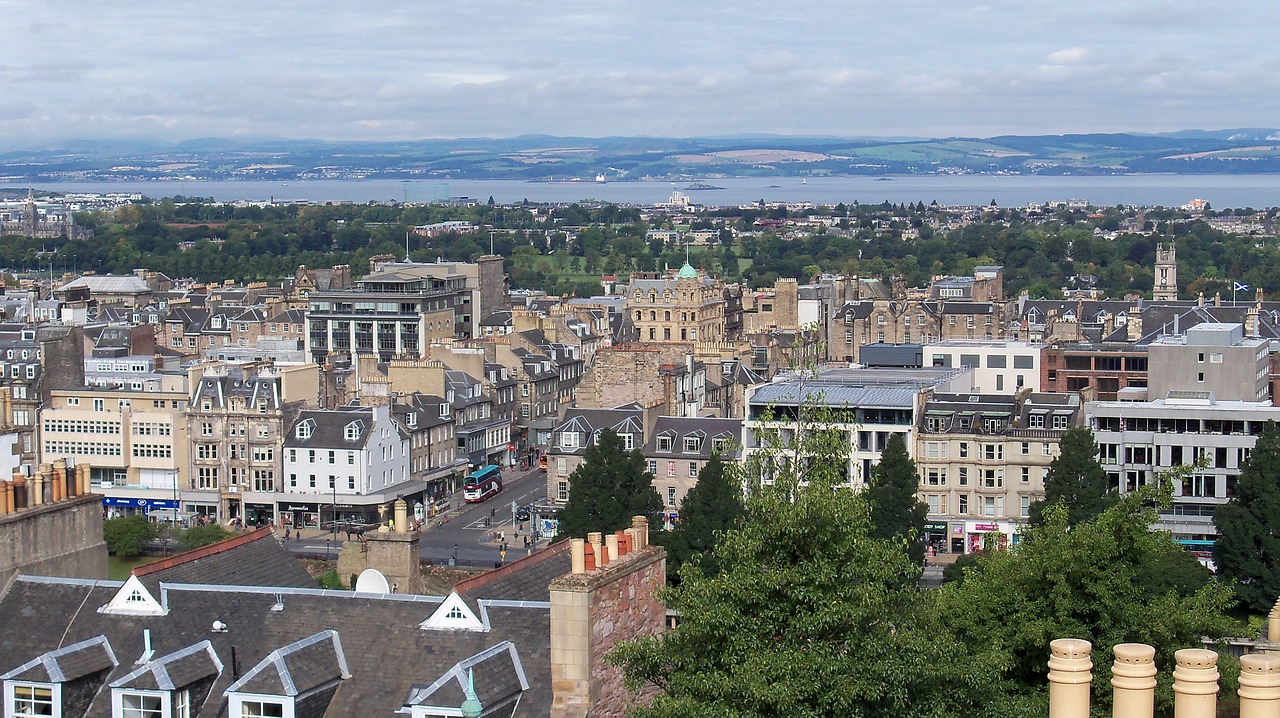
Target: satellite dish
(371, 580)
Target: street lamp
(453, 561)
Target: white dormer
(133, 599)
(305, 429)
(444, 410)
(453, 615)
(352, 431)
(412, 419)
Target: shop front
(115, 507)
(935, 537)
(259, 514)
(989, 535)
(295, 514)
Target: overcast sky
(370, 69)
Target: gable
(453, 615)
(133, 599)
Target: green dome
(687, 272)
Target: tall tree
(1077, 479)
(808, 618)
(607, 489)
(1248, 546)
(712, 507)
(1110, 579)
(896, 513)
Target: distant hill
(550, 158)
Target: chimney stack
(1070, 672)
(1195, 683)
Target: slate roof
(386, 650)
(175, 670)
(256, 558)
(588, 421)
(526, 579)
(297, 668)
(703, 427)
(67, 663)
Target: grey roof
(329, 428)
(706, 428)
(527, 579)
(256, 558)
(252, 389)
(175, 670)
(386, 650)
(590, 421)
(499, 681)
(872, 397)
(108, 284)
(67, 663)
(297, 668)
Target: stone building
(982, 460)
(684, 306)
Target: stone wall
(622, 376)
(591, 612)
(63, 538)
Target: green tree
(1248, 546)
(1092, 581)
(128, 535)
(607, 489)
(807, 618)
(712, 507)
(198, 536)
(896, 513)
(1075, 478)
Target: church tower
(1166, 284)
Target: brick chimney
(610, 596)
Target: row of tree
(801, 597)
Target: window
(207, 477)
(351, 458)
(963, 475)
(935, 450)
(664, 442)
(963, 506)
(562, 490)
(1026, 475)
(993, 452)
(1025, 509)
(693, 469)
(964, 449)
(32, 700)
(182, 704)
(206, 451)
(1045, 450)
(138, 705)
(261, 709)
(569, 439)
(1059, 421)
(671, 496)
(993, 478)
(692, 444)
(99, 405)
(936, 476)
(333, 455)
(628, 441)
(653, 468)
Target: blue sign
(144, 504)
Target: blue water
(1222, 191)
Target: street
(465, 531)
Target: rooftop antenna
(406, 245)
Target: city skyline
(386, 71)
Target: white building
(348, 462)
(999, 367)
(1137, 439)
(868, 405)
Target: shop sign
(935, 527)
(145, 504)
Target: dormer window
(352, 431)
(412, 419)
(692, 444)
(569, 439)
(664, 442)
(305, 429)
(444, 410)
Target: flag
(1241, 287)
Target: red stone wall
(623, 609)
